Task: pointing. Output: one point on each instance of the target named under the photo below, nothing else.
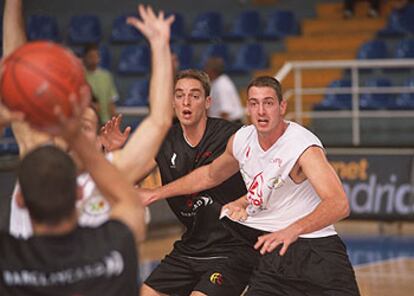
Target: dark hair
(267, 81)
(90, 47)
(197, 75)
(215, 64)
(47, 178)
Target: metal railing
(298, 91)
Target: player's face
(92, 59)
(264, 109)
(190, 102)
(89, 124)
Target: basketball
(39, 76)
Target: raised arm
(205, 177)
(14, 36)
(142, 147)
(333, 207)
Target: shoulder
(303, 135)
(112, 230)
(222, 127)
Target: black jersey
(85, 262)
(205, 236)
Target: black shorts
(221, 276)
(311, 266)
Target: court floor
(382, 255)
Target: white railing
(297, 67)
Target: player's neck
(64, 227)
(266, 140)
(194, 133)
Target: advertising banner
(379, 185)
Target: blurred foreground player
(63, 258)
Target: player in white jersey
(143, 144)
(294, 197)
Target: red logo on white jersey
(255, 192)
(248, 152)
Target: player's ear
(208, 102)
(20, 200)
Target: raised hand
(156, 28)
(70, 127)
(111, 136)
(7, 116)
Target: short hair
(90, 47)
(47, 178)
(215, 64)
(197, 75)
(267, 81)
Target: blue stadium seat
(336, 101)
(8, 143)
(400, 22)
(207, 26)
(247, 24)
(405, 101)
(216, 50)
(405, 49)
(106, 57)
(178, 27)
(376, 101)
(279, 24)
(43, 27)
(374, 49)
(137, 94)
(250, 57)
(184, 53)
(84, 29)
(134, 59)
(122, 32)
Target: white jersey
(276, 201)
(93, 208)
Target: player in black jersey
(63, 258)
(207, 260)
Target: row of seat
(368, 101)
(206, 26)
(135, 59)
(378, 49)
(400, 22)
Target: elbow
(345, 209)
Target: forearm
(13, 26)
(326, 213)
(109, 180)
(196, 181)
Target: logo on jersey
(173, 158)
(203, 155)
(277, 161)
(193, 204)
(276, 182)
(216, 278)
(248, 152)
(96, 206)
(255, 192)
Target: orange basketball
(39, 76)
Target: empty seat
(134, 59)
(374, 49)
(43, 27)
(84, 29)
(178, 27)
(247, 24)
(336, 101)
(216, 50)
(250, 57)
(405, 101)
(279, 24)
(400, 22)
(375, 101)
(184, 54)
(207, 26)
(137, 94)
(404, 49)
(106, 58)
(122, 32)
